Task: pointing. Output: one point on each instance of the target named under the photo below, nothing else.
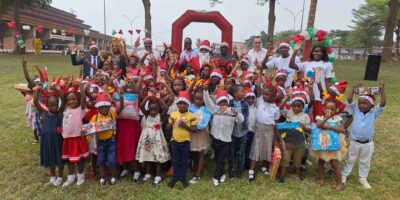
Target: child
(330, 115)
(296, 148)
(199, 142)
(182, 123)
(267, 114)
(224, 118)
(75, 148)
(250, 99)
(362, 132)
(106, 148)
(152, 145)
(335, 92)
(237, 151)
(51, 139)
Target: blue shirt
(189, 54)
(363, 124)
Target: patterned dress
(152, 145)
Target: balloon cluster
(20, 41)
(120, 32)
(320, 35)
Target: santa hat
(221, 95)
(245, 60)
(300, 91)
(280, 73)
(339, 87)
(283, 44)
(282, 89)
(147, 77)
(183, 97)
(298, 97)
(93, 45)
(249, 93)
(103, 99)
(105, 73)
(247, 81)
(216, 72)
(369, 98)
(224, 44)
(205, 44)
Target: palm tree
(394, 6)
(16, 6)
(147, 18)
(310, 24)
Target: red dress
(128, 134)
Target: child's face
(244, 66)
(104, 110)
(297, 107)
(239, 94)
(53, 104)
(215, 79)
(268, 95)
(72, 100)
(198, 99)
(223, 103)
(93, 97)
(133, 61)
(364, 105)
(154, 110)
(205, 74)
(330, 109)
(281, 80)
(182, 106)
(279, 95)
(228, 83)
(177, 85)
(332, 94)
(250, 100)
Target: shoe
(232, 174)
(102, 181)
(223, 178)
(172, 183)
(330, 172)
(215, 182)
(136, 176)
(81, 179)
(70, 180)
(344, 179)
(281, 179)
(365, 183)
(58, 181)
(309, 163)
(92, 175)
(147, 177)
(265, 171)
(251, 175)
(184, 183)
(52, 180)
(194, 180)
(157, 180)
(113, 181)
(303, 168)
(124, 173)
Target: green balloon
(114, 32)
(332, 59)
(292, 44)
(334, 80)
(19, 37)
(311, 32)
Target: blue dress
(51, 141)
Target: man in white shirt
(257, 53)
(282, 62)
(148, 43)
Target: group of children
(164, 111)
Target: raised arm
(36, 99)
(83, 95)
(26, 73)
(143, 104)
(351, 93)
(383, 95)
(164, 107)
(292, 63)
(208, 102)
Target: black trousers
(221, 153)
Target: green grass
(21, 177)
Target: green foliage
(284, 35)
(339, 37)
(7, 4)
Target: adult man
(203, 57)
(257, 53)
(148, 47)
(224, 55)
(281, 62)
(91, 60)
(188, 53)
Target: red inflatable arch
(201, 16)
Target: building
(56, 24)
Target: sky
(246, 17)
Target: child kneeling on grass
(361, 134)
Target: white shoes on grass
(363, 182)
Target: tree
(310, 24)
(271, 16)
(339, 38)
(147, 18)
(394, 6)
(284, 35)
(16, 6)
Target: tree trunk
(397, 32)
(310, 24)
(15, 10)
(147, 18)
(389, 28)
(271, 22)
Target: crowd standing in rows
(131, 114)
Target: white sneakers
(80, 179)
(136, 176)
(215, 182)
(344, 178)
(365, 183)
(157, 180)
(102, 181)
(113, 181)
(70, 180)
(264, 170)
(52, 180)
(124, 173)
(58, 181)
(222, 179)
(147, 177)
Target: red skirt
(128, 134)
(74, 149)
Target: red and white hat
(247, 75)
(283, 44)
(93, 45)
(183, 96)
(216, 72)
(205, 44)
(369, 98)
(300, 91)
(221, 95)
(224, 44)
(282, 89)
(249, 93)
(299, 97)
(103, 99)
(245, 60)
(280, 73)
(339, 87)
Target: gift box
(291, 132)
(131, 106)
(325, 139)
(275, 161)
(98, 127)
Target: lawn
(21, 177)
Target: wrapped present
(98, 127)
(22, 87)
(324, 139)
(275, 162)
(291, 132)
(131, 106)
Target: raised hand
(298, 45)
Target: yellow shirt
(106, 134)
(180, 134)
